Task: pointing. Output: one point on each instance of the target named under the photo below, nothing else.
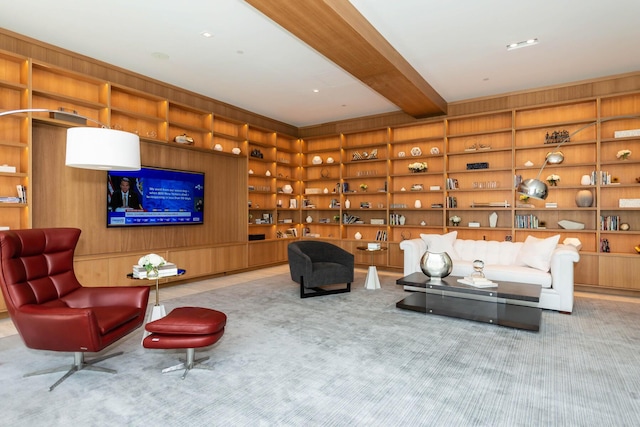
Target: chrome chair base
(190, 363)
(79, 363)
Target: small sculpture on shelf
(183, 139)
(557, 137)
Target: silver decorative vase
(436, 265)
(584, 198)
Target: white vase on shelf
(347, 204)
(417, 204)
(358, 236)
(493, 220)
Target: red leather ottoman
(186, 327)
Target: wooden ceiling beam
(337, 30)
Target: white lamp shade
(102, 149)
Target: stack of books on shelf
(605, 178)
(166, 270)
(10, 199)
(526, 221)
(610, 222)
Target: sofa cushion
(438, 243)
(536, 253)
(489, 251)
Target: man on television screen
(125, 197)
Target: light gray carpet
(349, 359)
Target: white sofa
(539, 261)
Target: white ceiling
(459, 47)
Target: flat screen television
(154, 196)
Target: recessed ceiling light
(206, 34)
(316, 90)
(525, 43)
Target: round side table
(158, 311)
(372, 281)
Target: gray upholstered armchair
(316, 264)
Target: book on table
(478, 282)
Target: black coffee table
(509, 304)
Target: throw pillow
(536, 253)
(438, 243)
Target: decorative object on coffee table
(478, 266)
(436, 265)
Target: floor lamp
(537, 189)
(98, 148)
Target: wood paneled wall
(72, 61)
(70, 197)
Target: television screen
(154, 196)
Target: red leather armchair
(52, 310)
